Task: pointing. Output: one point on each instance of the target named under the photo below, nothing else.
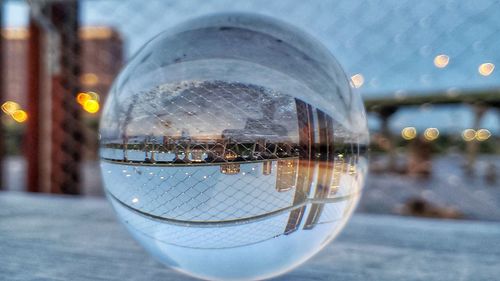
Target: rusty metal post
(67, 136)
(31, 141)
(59, 86)
(385, 113)
(2, 95)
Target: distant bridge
(487, 97)
(480, 101)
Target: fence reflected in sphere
(232, 147)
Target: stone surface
(66, 238)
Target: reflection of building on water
(150, 149)
(306, 128)
(286, 178)
(230, 169)
(316, 153)
(267, 167)
(306, 173)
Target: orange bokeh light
(20, 116)
(81, 98)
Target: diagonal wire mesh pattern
(376, 38)
(207, 237)
(231, 235)
(392, 44)
(170, 174)
(197, 194)
(208, 151)
(201, 109)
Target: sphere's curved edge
(229, 222)
(163, 255)
(233, 147)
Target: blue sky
(16, 13)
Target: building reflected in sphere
(232, 147)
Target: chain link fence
(392, 49)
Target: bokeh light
(358, 80)
(89, 101)
(89, 79)
(94, 96)
(441, 61)
(431, 134)
(469, 134)
(81, 98)
(486, 69)
(20, 116)
(91, 106)
(9, 107)
(483, 134)
(409, 133)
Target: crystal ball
(232, 147)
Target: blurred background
(425, 69)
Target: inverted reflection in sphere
(232, 147)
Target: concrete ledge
(67, 238)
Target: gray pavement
(67, 238)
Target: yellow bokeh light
(20, 116)
(409, 133)
(91, 106)
(89, 79)
(486, 69)
(358, 80)
(469, 134)
(9, 107)
(483, 134)
(441, 61)
(431, 134)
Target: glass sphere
(232, 147)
